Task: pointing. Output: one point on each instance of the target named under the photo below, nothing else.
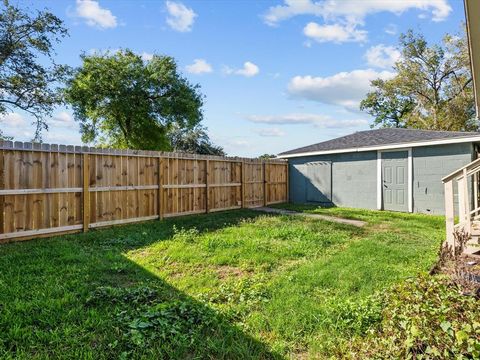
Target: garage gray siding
(430, 164)
(353, 178)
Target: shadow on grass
(78, 296)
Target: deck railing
(467, 181)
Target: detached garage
(390, 169)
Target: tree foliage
(432, 88)
(267, 156)
(121, 100)
(193, 140)
(26, 45)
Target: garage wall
(353, 179)
(430, 164)
(354, 176)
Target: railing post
(449, 213)
(466, 197)
(86, 193)
(475, 192)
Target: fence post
(243, 183)
(2, 186)
(86, 194)
(207, 186)
(264, 183)
(160, 188)
(287, 195)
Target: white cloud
(13, 120)
(335, 32)
(95, 15)
(62, 119)
(382, 56)
(199, 66)
(343, 19)
(346, 89)
(181, 18)
(319, 120)
(249, 69)
(354, 10)
(270, 132)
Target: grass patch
(230, 285)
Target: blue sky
(276, 74)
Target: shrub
(424, 318)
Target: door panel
(319, 181)
(395, 180)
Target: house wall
(430, 165)
(354, 176)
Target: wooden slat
(122, 188)
(207, 187)
(122, 221)
(41, 191)
(184, 186)
(160, 188)
(86, 194)
(265, 193)
(194, 212)
(33, 233)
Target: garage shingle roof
(379, 137)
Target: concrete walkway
(357, 223)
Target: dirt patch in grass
(226, 271)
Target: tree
(193, 140)
(27, 41)
(432, 88)
(123, 101)
(267, 156)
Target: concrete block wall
(354, 176)
(430, 165)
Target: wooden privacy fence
(51, 189)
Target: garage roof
(379, 139)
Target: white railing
(467, 181)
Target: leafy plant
(424, 318)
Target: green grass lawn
(229, 285)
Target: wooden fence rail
(52, 189)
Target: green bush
(423, 318)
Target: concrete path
(357, 223)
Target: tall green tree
(123, 101)
(193, 140)
(432, 88)
(30, 79)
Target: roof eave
(385, 147)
